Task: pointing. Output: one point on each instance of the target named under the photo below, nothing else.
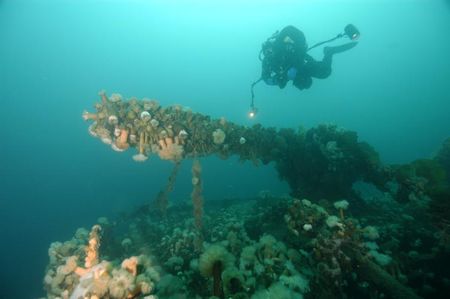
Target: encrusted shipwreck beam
(322, 160)
(173, 132)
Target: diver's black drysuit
(285, 59)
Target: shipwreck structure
(323, 161)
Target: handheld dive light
(253, 109)
(351, 31)
(252, 112)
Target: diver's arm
(267, 74)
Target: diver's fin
(339, 49)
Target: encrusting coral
(141, 157)
(247, 253)
(341, 206)
(197, 197)
(122, 140)
(162, 200)
(92, 248)
(317, 252)
(170, 150)
(65, 278)
(218, 136)
(212, 263)
(326, 156)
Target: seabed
(351, 227)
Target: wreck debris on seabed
(352, 227)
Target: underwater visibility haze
(130, 168)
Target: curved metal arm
(327, 41)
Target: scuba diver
(285, 57)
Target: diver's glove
(292, 73)
(271, 81)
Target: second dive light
(351, 31)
